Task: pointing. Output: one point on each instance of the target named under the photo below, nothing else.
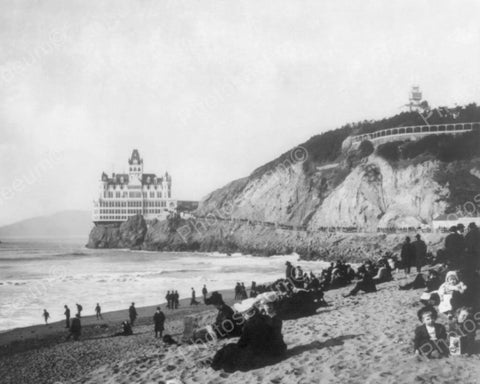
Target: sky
(206, 90)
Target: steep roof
(135, 158)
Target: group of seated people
(432, 340)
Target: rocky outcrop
(130, 234)
(375, 194)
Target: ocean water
(38, 274)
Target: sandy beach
(362, 339)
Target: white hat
(245, 305)
(267, 297)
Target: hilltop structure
(128, 194)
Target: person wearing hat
(454, 248)
(472, 244)
(226, 325)
(407, 255)
(430, 338)
(451, 293)
(420, 252)
(256, 346)
(159, 321)
(366, 283)
(268, 303)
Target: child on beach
(430, 338)
(451, 293)
(462, 331)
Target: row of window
(128, 211)
(121, 204)
(134, 195)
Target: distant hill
(62, 224)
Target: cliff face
(375, 195)
(370, 195)
(130, 234)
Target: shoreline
(359, 339)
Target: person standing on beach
(204, 292)
(46, 315)
(420, 252)
(193, 301)
(67, 316)
(454, 248)
(79, 310)
(169, 299)
(75, 328)
(159, 321)
(175, 299)
(407, 255)
(132, 312)
(98, 311)
(289, 271)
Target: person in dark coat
(79, 310)
(407, 255)
(226, 325)
(472, 251)
(98, 311)
(75, 328)
(454, 248)
(289, 271)
(204, 292)
(67, 316)
(126, 330)
(168, 297)
(430, 338)
(193, 300)
(159, 321)
(255, 347)
(175, 299)
(365, 284)
(132, 313)
(420, 252)
(46, 316)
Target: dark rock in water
(130, 234)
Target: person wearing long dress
(257, 345)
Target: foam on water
(48, 274)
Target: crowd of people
(448, 295)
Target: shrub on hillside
(389, 151)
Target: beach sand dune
(362, 339)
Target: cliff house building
(127, 194)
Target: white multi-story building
(124, 195)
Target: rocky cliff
(287, 204)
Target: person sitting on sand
(126, 330)
(132, 313)
(159, 321)
(268, 305)
(463, 327)
(365, 284)
(384, 272)
(451, 293)
(226, 325)
(430, 338)
(256, 346)
(75, 328)
(46, 316)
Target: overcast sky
(208, 90)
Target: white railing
(420, 130)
